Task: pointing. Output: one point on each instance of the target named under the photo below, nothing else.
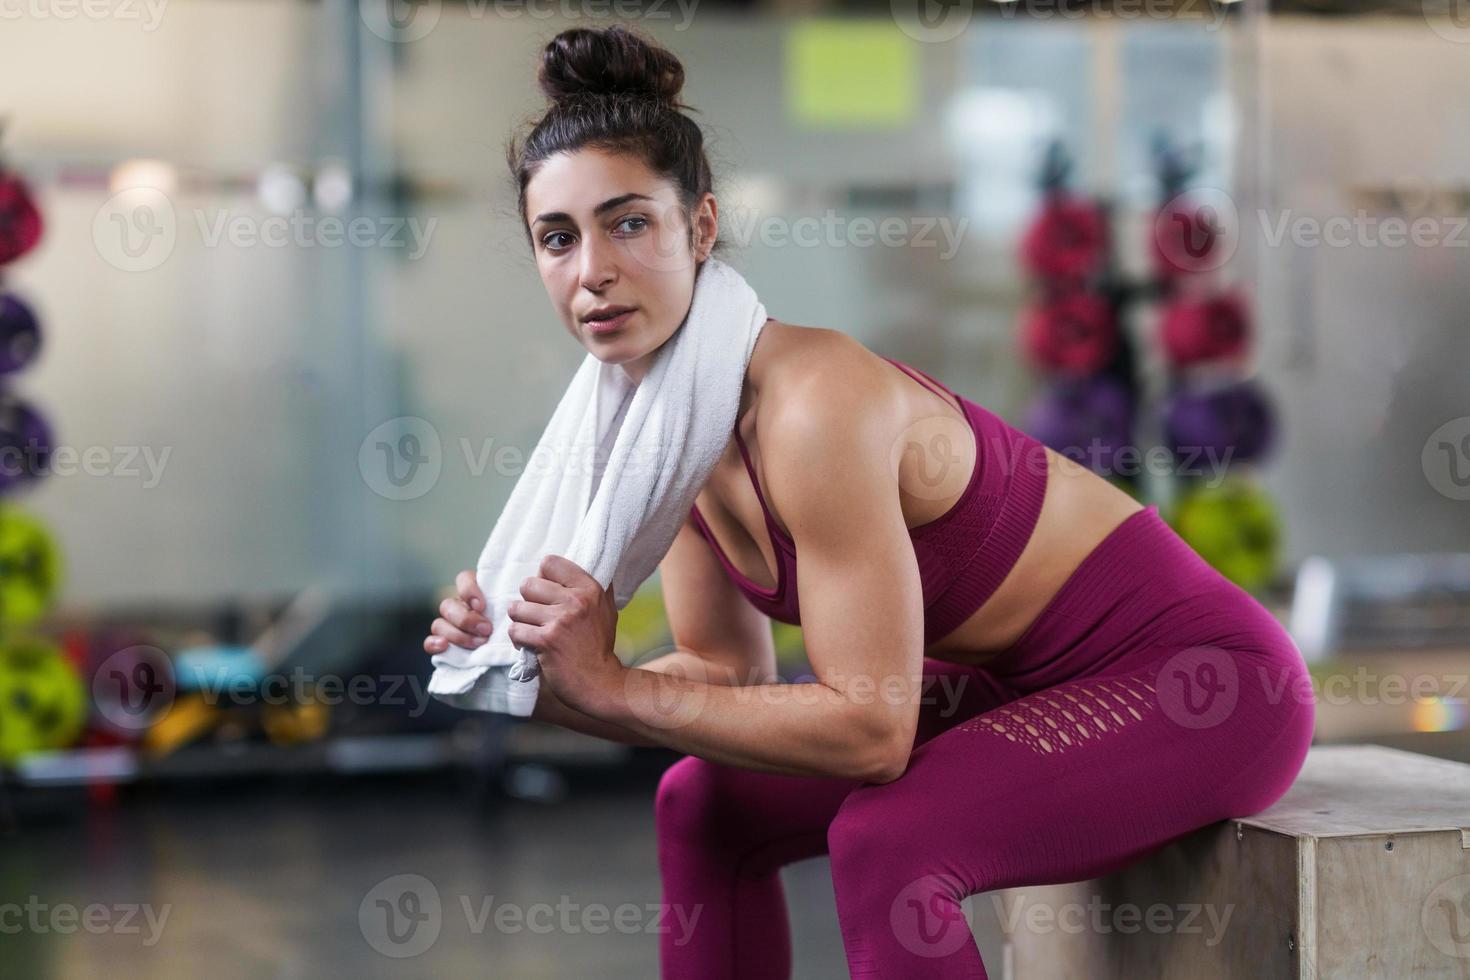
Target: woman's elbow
(882, 759)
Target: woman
(1022, 675)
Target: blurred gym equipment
(43, 704)
(1403, 601)
(1235, 527)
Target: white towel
(616, 520)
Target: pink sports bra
(963, 555)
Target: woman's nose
(599, 267)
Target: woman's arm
(718, 636)
(834, 474)
(551, 709)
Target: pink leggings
(1151, 697)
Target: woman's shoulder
(809, 378)
(827, 413)
(793, 362)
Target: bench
(1361, 871)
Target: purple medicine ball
(1087, 421)
(1234, 423)
(25, 443)
(20, 334)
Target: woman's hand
(461, 617)
(570, 621)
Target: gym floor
(268, 880)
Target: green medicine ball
(30, 567)
(43, 701)
(1234, 527)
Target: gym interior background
(270, 322)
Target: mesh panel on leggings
(1068, 715)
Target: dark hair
(614, 90)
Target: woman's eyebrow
(607, 205)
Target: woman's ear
(706, 227)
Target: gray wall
(1369, 349)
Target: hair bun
(583, 61)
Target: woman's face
(610, 235)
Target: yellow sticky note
(851, 73)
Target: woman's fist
(461, 619)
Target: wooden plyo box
(1360, 872)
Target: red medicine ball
(1196, 330)
(1067, 241)
(1073, 334)
(20, 221)
(1188, 237)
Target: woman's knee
(701, 800)
(688, 795)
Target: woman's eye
(550, 239)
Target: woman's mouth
(599, 327)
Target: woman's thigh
(1082, 778)
(772, 819)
